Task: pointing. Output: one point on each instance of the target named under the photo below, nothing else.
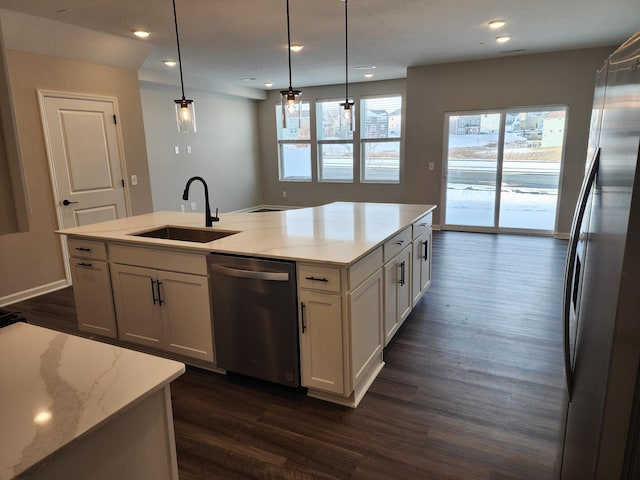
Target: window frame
(363, 141)
(282, 142)
(320, 143)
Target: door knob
(66, 202)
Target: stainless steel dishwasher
(254, 310)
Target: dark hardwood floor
(471, 388)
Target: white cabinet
(161, 308)
(422, 236)
(321, 347)
(397, 292)
(421, 265)
(137, 306)
(92, 287)
(365, 318)
(340, 328)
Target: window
(380, 134)
(503, 168)
(294, 147)
(335, 144)
(320, 148)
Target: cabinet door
(321, 348)
(137, 306)
(186, 314)
(93, 297)
(421, 265)
(405, 298)
(425, 264)
(397, 292)
(391, 321)
(365, 306)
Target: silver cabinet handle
(238, 273)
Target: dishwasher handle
(253, 275)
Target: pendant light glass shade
(349, 111)
(185, 110)
(291, 99)
(185, 115)
(346, 120)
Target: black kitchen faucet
(208, 219)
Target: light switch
(193, 205)
(177, 149)
(188, 148)
(432, 165)
(134, 180)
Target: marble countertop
(57, 387)
(338, 233)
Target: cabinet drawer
(318, 277)
(393, 246)
(364, 268)
(159, 259)
(422, 225)
(92, 249)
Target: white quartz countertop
(339, 232)
(55, 387)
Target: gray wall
(224, 150)
(562, 78)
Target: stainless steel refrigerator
(602, 289)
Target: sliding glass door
(502, 169)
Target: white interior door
(84, 154)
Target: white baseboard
(33, 292)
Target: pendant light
(346, 121)
(185, 112)
(291, 99)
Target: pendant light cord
(288, 43)
(346, 54)
(175, 20)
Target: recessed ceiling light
(141, 33)
(268, 84)
(368, 75)
(503, 38)
(248, 79)
(296, 48)
(495, 24)
(170, 63)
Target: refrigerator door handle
(570, 266)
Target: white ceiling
(226, 41)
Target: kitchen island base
(138, 443)
(360, 270)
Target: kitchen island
(361, 267)
(76, 408)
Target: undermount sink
(201, 235)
